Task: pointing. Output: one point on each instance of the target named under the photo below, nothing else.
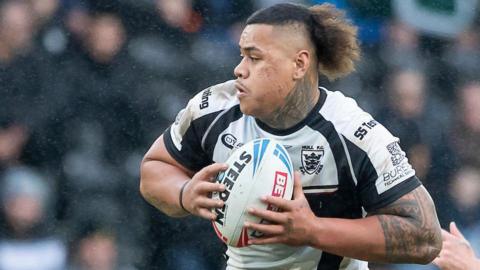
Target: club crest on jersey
(312, 159)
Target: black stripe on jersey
(320, 187)
(191, 156)
(232, 115)
(329, 262)
(393, 194)
(346, 193)
(363, 170)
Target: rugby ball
(258, 168)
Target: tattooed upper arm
(411, 228)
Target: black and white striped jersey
(350, 164)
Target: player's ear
(302, 64)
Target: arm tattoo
(411, 228)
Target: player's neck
(298, 104)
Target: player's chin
(246, 108)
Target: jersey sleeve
(184, 138)
(382, 170)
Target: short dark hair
(333, 36)
(281, 14)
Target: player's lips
(241, 90)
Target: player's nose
(240, 70)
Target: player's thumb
(297, 186)
(455, 231)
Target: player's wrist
(315, 233)
(181, 197)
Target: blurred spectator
(443, 18)
(27, 237)
(51, 35)
(164, 32)
(400, 50)
(25, 73)
(464, 195)
(105, 120)
(465, 133)
(464, 56)
(96, 248)
(216, 48)
(16, 34)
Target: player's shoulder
(213, 99)
(352, 122)
(340, 109)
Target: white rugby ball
(258, 168)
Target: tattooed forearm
(411, 228)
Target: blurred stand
(28, 235)
(96, 248)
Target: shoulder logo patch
(396, 152)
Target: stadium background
(86, 86)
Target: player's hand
(456, 253)
(196, 194)
(291, 226)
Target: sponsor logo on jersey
(230, 141)
(396, 152)
(394, 176)
(205, 95)
(279, 187)
(228, 178)
(363, 129)
(312, 159)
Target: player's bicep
(159, 152)
(416, 204)
(410, 225)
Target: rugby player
(356, 197)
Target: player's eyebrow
(250, 49)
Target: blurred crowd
(87, 86)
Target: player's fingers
(208, 203)
(439, 262)
(446, 235)
(455, 231)
(206, 187)
(265, 240)
(267, 229)
(297, 186)
(274, 217)
(206, 213)
(210, 172)
(276, 201)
